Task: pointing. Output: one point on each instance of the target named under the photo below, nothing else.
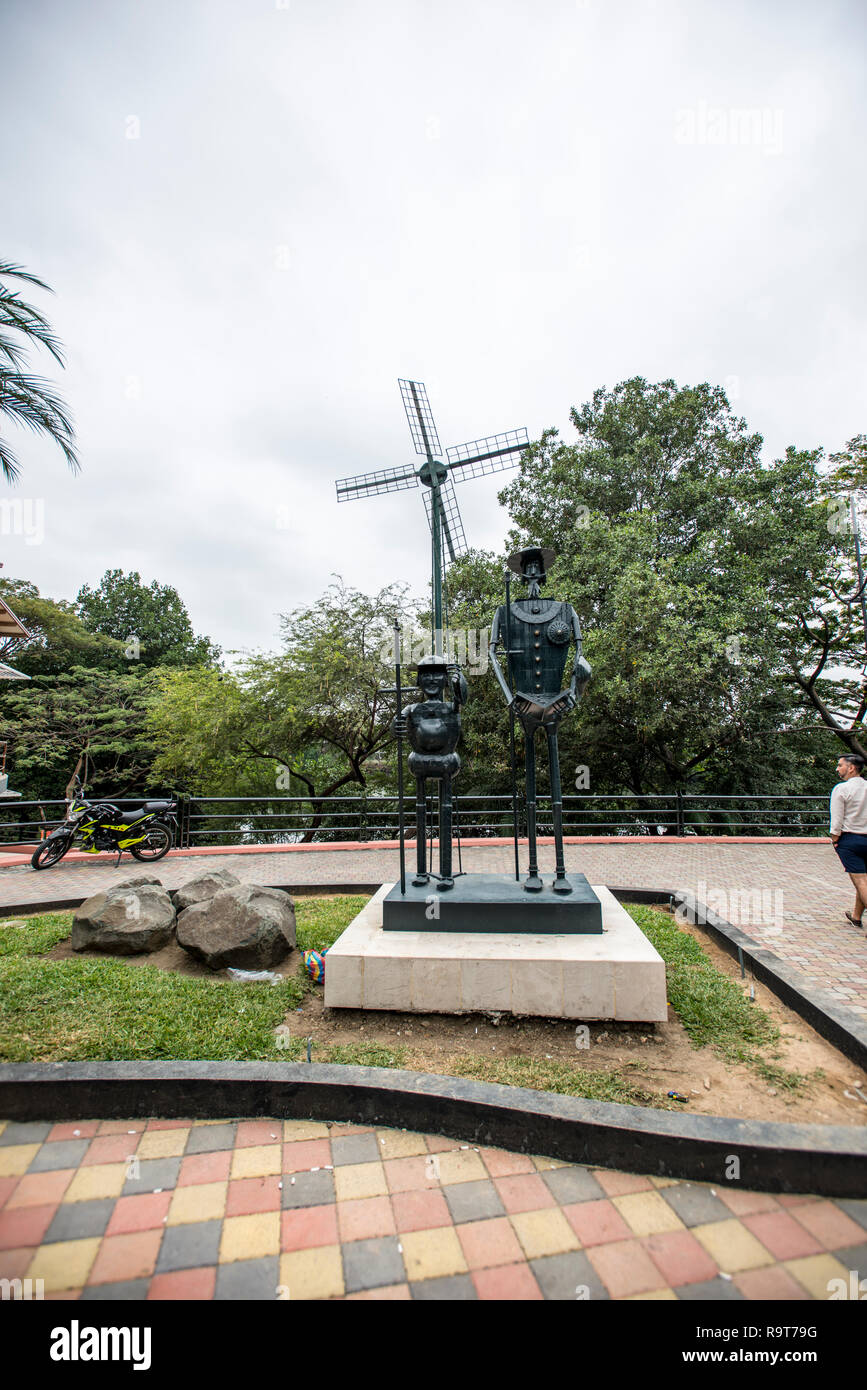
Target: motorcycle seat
(157, 805)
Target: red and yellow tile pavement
(268, 1209)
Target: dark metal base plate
(494, 903)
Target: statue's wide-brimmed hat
(521, 558)
(432, 663)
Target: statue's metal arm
(581, 671)
(493, 649)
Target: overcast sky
(256, 216)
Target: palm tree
(28, 400)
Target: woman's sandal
(856, 921)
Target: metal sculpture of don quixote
(537, 634)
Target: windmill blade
(371, 484)
(450, 516)
(420, 417)
(492, 455)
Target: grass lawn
(93, 1008)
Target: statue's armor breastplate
(433, 727)
(539, 643)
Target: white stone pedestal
(617, 975)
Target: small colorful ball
(314, 964)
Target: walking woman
(849, 828)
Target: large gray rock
(245, 926)
(202, 887)
(128, 918)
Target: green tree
(695, 568)
(311, 716)
(26, 400)
(148, 619)
(59, 639)
(93, 722)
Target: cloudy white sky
(256, 216)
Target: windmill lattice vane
(474, 459)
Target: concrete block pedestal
(616, 975)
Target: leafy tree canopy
(148, 619)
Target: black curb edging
(829, 1160)
(839, 1025)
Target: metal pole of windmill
(436, 524)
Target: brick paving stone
(153, 1173)
(132, 1290)
(207, 1138)
(855, 1209)
(308, 1189)
(831, 1227)
(355, 1148)
(246, 1195)
(507, 1283)
(206, 1167)
(304, 1228)
(680, 1258)
(73, 1220)
(487, 1243)
(780, 1233)
(597, 1223)
(572, 1185)
(300, 1157)
(187, 1284)
(144, 1212)
(248, 1279)
(16, 1132)
(473, 1201)
(453, 1288)
(73, 1129)
(367, 1263)
(188, 1247)
(568, 1277)
(366, 1218)
(25, 1226)
(524, 1193)
(710, 1291)
(420, 1210)
(126, 1257)
(854, 1257)
(67, 1154)
(695, 1206)
(39, 1188)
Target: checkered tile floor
(267, 1209)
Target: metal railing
(292, 819)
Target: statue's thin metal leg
(561, 883)
(421, 874)
(533, 883)
(445, 880)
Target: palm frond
(32, 402)
(19, 273)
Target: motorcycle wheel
(50, 852)
(157, 843)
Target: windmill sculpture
(463, 461)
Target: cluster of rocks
(215, 917)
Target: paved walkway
(787, 896)
(267, 1209)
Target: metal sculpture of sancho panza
(434, 728)
(537, 634)
(472, 460)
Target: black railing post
(679, 811)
